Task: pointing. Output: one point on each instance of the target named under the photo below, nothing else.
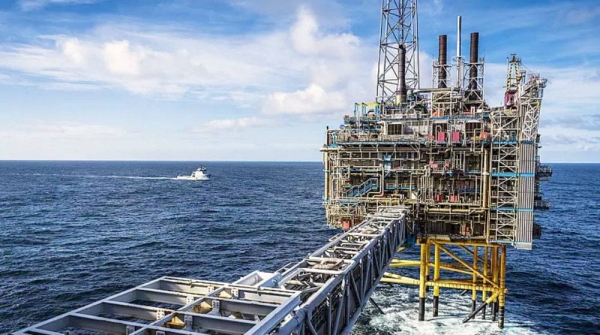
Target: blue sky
(259, 79)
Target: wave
(146, 178)
(97, 176)
(401, 316)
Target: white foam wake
(98, 176)
(401, 316)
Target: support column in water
(485, 273)
(422, 280)
(436, 277)
(502, 287)
(496, 278)
(474, 293)
(427, 269)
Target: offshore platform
(468, 172)
(434, 166)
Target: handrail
(362, 189)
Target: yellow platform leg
(502, 287)
(483, 263)
(436, 278)
(496, 279)
(428, 264)
(485, 273)
(474, 291)
(422, 280)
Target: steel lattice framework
(399, 28)
(321, 295)
(467, 171)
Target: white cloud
(573, 121)
(60, 130)
(569, 118)
(161, 63)
(331, 13)
(307, 39)
(312, 100)
(168, 68)
(565, 138)
(29, 5)
(563, 144)
(234, 124)
(425, 69)
(169, 62)
(337, 68)
(120, 59)
(572, 88)
(72, 49)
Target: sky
(259, 80)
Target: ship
(199, 174)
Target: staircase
(361, 190)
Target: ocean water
(75, 232)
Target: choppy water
(75, 232)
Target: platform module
(468, 171)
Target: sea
(75, 232)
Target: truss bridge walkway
(322, 294)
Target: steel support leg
(474, 291)
(485, 273)
(422, 278)
(501, 299)
(427, 274)
(436, 277)
(496, 279)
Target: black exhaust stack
(474, 59)
(442, 60)
(401, 76)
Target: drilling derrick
(398, 66)
(468, 174)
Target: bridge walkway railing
(322, 294)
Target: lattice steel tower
(398, 66)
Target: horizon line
(212, 161)
(154, 160)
